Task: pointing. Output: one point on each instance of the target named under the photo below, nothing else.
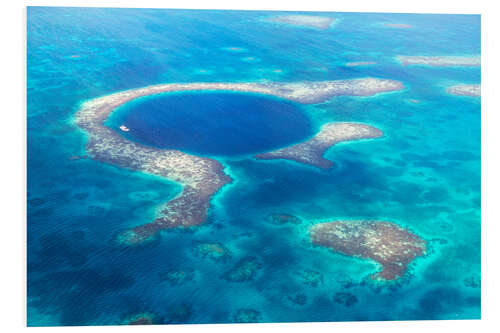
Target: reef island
(311, 151)
(318, 22)
(390, 245)
(202, 177)
(440, 61)
(471, 90)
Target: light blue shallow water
(423, 174)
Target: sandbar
(472, 90)
(440, 61)
(311, 151)
(387, 243)
(200, 177)
(360, 63)
(318, 22)
(398, 25)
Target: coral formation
(311, 151)
(200, 177)
(390, 245)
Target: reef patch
(214, 251)
(179, 314)
(177, 276)
(440, 61)
(282, 218)
(296, 300)
(471, 90)
(244, 270)
(310, 277)
(346, 299)
(398, 25)
(311, 151)
(310, 21)
(388, 244)
(144, 318)
(247, 316)
(472, 281)
(360, 63)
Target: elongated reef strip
(360, 63)
(318, 22)
(390, 245)
(200, 177)
(311, 151)
(398, 25)
(440, 61)
(472, 90)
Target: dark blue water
(423, 174)
(214, 123)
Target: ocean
(423, 174)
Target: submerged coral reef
(440, 61)
(311, 151)
(200, 177)
(390, 245)
(311, 21)
(472, 90)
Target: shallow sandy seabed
(472, 90)
(360, 63)
(319, 22)
(440, 61)
(201, 177)
(388, 244)
(398, 25)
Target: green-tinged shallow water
(424, 173)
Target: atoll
(472, 90)
(318, 22)
(390, 245)
(440, 61)
(311, 151)
(200, 177)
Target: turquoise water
(423, 174)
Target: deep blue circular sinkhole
(214, 123)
